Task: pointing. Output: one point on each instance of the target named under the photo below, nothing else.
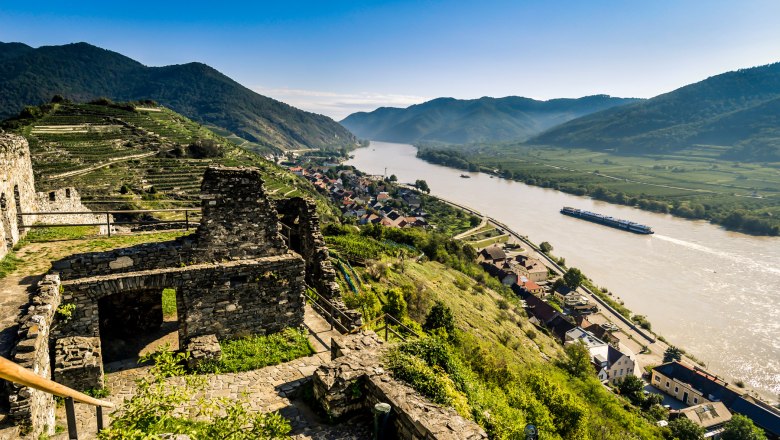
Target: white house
(611, 364)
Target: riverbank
(721, 192)
(646, 347)
(688, 277)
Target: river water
(714, 292)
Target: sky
(336, 57)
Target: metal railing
(15, 373)
(108, 223)
(387, 329)
(329, 311)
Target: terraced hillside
(126, 156)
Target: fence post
(386, 324)
(99, 414)
(70, 413)
(108, 223)
(187, 219)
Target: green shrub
(152, 411)
(431, 381)
(65, 312)
(440, 316)
(98, 393)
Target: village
(556, 303)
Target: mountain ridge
(485, 119)
(83, 72)
(693, 114)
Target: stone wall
(141, 257)
(302, 227)
(30, 408)
(17, 189)
(238, 220)
(356, 381)
(65, 200)
(17, 194)
(233, 276)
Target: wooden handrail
(22, 376)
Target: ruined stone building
(238, 274)
(17, 195)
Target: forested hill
(82, 72)
(486, 119)
(739, 110)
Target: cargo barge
(606, 220)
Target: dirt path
(102, 165)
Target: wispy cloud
(338, 105)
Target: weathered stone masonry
(17, 195)
(234, 276)
(17, 190)
(31, 408)
(301, 222)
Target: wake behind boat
(608, 221)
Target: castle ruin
(18, 196)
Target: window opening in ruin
(67, 192)
(52, 196)
(133, 323)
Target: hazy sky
(336, 57)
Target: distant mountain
(739, 110)
(486, 119)
(82, 72)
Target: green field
(692, 183)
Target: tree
(573, 278)
(440, 316)
(578, 362)
(632, 387)
(546, 247)
(396, 304)
(672, 354)
(684, 428)
(651, 400)
(422, 186)
(742, 428)
(393, 178)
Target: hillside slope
(736, 109)
(82, 72)
(475, 120)
(125, 156)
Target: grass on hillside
(499, 369)
(258, 351)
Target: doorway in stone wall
(19, 217)
(5, 217)
(134, 323)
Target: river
(713, 292)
